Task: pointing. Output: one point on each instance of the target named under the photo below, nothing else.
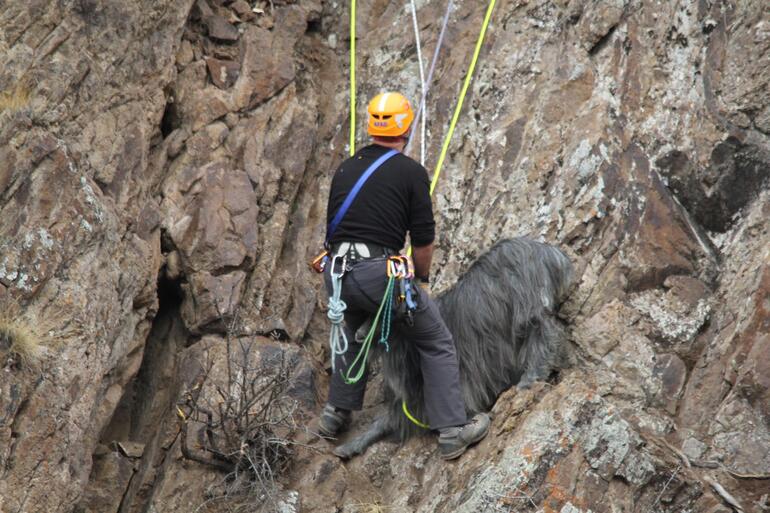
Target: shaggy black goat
(501, 315)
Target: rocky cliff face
(163, 173)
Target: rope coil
(338, 341)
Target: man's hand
(422, 257)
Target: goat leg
(378, 430)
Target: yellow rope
(464, 90)
(459, 106)
(410, 417)
(352, 77)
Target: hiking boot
(452, 442)
(333, 420)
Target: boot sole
(326, 433)
(459, 452)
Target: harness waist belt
(357, 251)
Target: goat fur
(501, 313)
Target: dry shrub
(240, 421)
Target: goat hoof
(343, 453)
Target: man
(393, 201)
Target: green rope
(363, 354)
(385, 326)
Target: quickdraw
(401, 268)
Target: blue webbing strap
(354, 192)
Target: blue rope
(385, 326)
(338, 341)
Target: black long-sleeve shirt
(393, 201)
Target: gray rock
(219, 28)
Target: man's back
(393, 200)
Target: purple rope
(430, 73)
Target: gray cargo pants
(362, 289)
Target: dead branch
(665, 486)
(729, 499)
(240, 420)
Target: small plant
(20, 343)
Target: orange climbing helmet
(390, 115)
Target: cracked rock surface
(164, 168)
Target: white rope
(423, 106)
(338, 341)
(422, 78)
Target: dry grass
(14, 99)
(20, 341)
(26, 334)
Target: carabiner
(334, 264)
